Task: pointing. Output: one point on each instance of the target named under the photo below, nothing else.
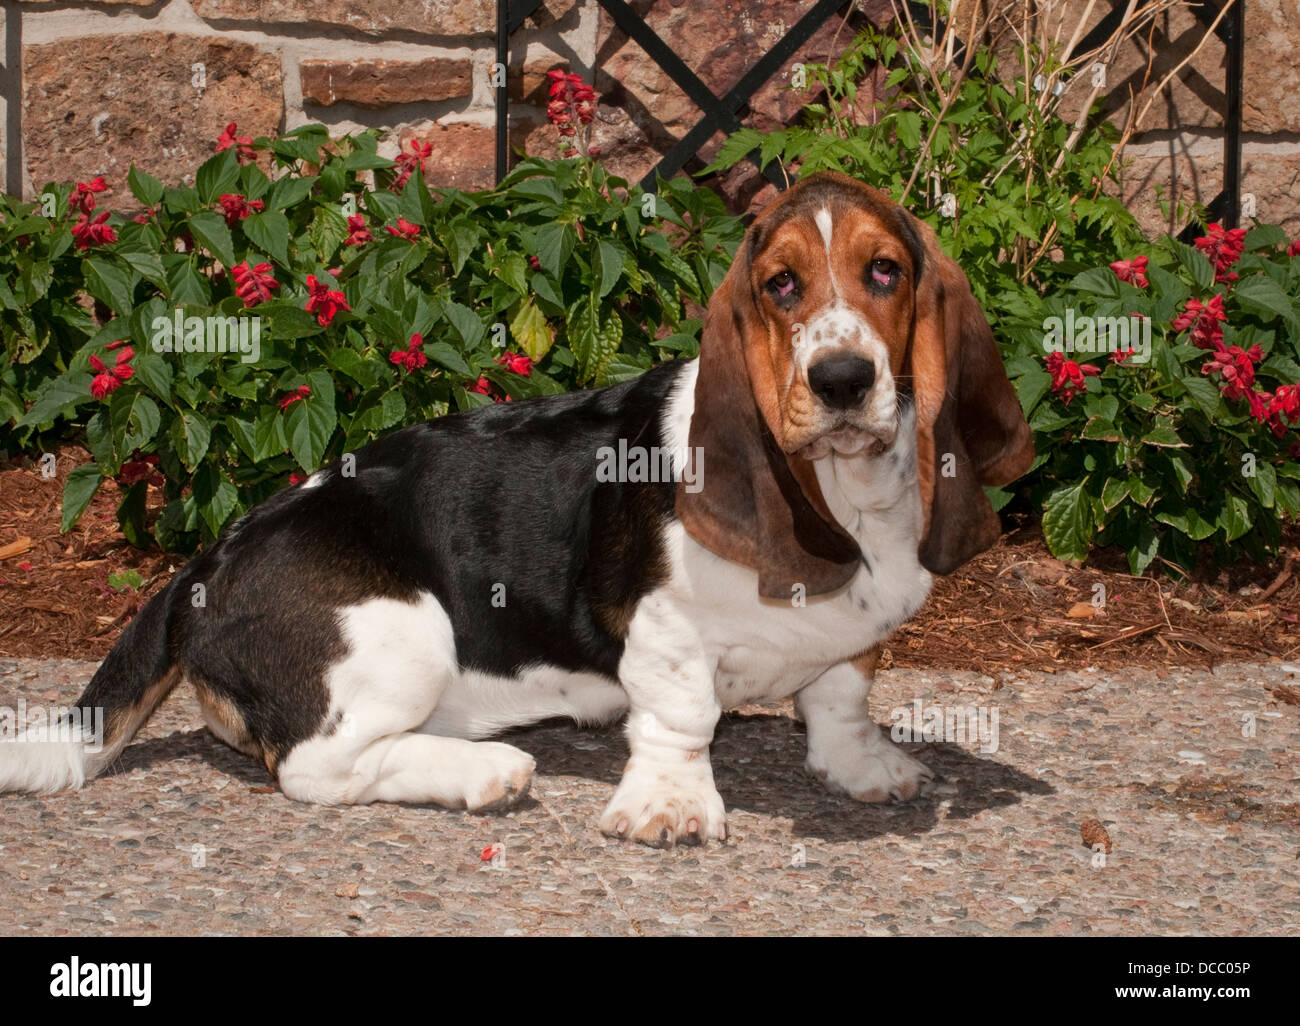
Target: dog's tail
(66, 750)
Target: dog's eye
(884, 272)
(783, 286)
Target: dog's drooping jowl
(364, 634)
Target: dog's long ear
(757, 506)
(970, 430)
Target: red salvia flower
(253, 284)
(1236, 370)
(145, 217)
(299, 393)
(1121, 355)
(83, 196)
(237, 208)
(108, 380)
(140, 468)
(1224, 248)
(572, 104)
(482, 386)
(244, 145)
(404, 230)
(1293, 249)
(1283, 406)
(358, 233)
(410, 358)
(517, 363)
(1205, 320)
(1068, 376)
(93, 232)
(1133, 271)
(324, 301)
(408, 162)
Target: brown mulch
(1012, 608)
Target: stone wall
(155, 81)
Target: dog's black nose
(842, 382)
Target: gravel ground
(186, 837)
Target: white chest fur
(767, 649)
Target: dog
(362, 634)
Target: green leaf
(209, 230)
(1068, 524)
(68, 389)
(1191, 523)
(1234, 518)
(135, 420)
(466, 322)
(530, 330)
(1165, 436)
(217, 175)
(593, 343)
(1260, 294)
(447, 356)
(269, 232)
(310, 423)
(1264, 483)
(107, 282)
(1144, 550)
(611, 257)
(190, 436)
(78, 490)
(144, 186)
(1114, 492)
(554, 245)
(289, 191)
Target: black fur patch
(499, 503)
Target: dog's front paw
(869, 768)
(662, 806)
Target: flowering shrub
(240, 332)
(1178, 440)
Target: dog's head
(838, 306)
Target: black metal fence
(724, 113)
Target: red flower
(1120, 355)
(1224, 248)
(106, 381)
(301, 392)
(490, 852)
(534, 263)
(408, 162)
(237, 208)
(572, 102)
(1284, 403)
(358, 233)
(1068, 376)
(94, 232)
(253, 285)
(144, 218)
(482, 386)
(140, 468)
(244, 145)
(1294, 249)
(297, 478)
(1134, 271)
(83, 196)
(324, 301)
(1236, 368)
(1204, 319)
(404, 230)
(410, 358)
(517, 363)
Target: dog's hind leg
(401, 658)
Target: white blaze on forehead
(824, 225)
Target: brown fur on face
(762, 427)
(834, 289)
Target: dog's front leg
(846, 750)
(667, 795)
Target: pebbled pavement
(185, 836)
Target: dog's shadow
(758, 765)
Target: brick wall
(155, 81)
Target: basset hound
(362, 632)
